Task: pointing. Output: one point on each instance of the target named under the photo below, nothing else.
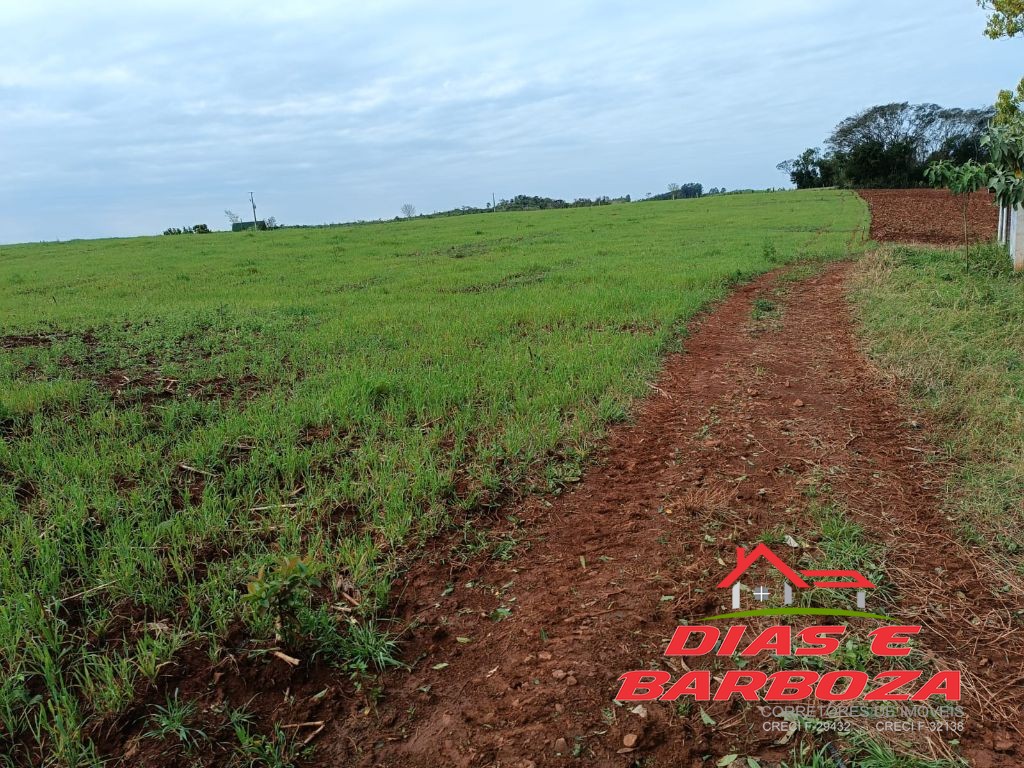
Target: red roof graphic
(744, 561)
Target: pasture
(178, 413)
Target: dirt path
(518, 662)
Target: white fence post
(1017, 238)
(1002, 223)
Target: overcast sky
(123, 118)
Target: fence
(1011, 233)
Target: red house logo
(831, 579)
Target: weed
(843, 545)
(805, 756)
(172, 720)
(369, 647)
(281, 594)
(255, 750)
(872, 753)
(762, 308)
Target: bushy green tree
(891, 145)
(1006, 19)
(811, 169)
(1006, 147)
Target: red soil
(929, 216)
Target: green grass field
(956, 341)
(178, 412)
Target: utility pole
(254, 225)
(494, 202)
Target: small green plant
(255, 750)
(280, 594)
(762, 308)
(963, 181)
(873, 753)
(370, 647)
(172, 720)
(805, 757)
(505, 548)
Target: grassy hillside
(179, 412)
(957, 341)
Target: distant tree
(271, 223)
(673, 189)
(891, 145)
(408, 210)
(692, 189)
(233, 218)
(808, 170)
(1006, 19)
(201, 229)
(681, 191)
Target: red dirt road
(733, 436)
(931, 216)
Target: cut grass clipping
(184, 416)
(957, 341)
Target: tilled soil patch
(931, 216)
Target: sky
(124, 118)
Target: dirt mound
(931, 216)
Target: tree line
(891, 146)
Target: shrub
(280, 594)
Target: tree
(891, 145)
(233, 218)
(810, 169)
(408, 210)
(1006, 19)
(673, 189)
(1006, 147)
(963, 181)
(692, 189)
(271, 223)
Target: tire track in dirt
(515, 663)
